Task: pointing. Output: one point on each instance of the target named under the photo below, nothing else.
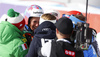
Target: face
(34, 23)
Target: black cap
(64, 25)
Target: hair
(48, 16)
(29, 20)
(80, 17)
(64, 35)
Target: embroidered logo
(45, 29)
(70, 53)
(23, 47)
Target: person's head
(75, 16)
(14, 18)
(80, 17)
(45, 30)
(33, 22)
(32, 15)
(47, 17)
(54, 12)
(64, 27)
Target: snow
(55, 5)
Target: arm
(17, 49)
(95, 42)
(32, 49)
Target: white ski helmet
(33, 11)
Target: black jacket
(64, 49)
(45, 30)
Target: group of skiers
(39, 34)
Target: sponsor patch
(70, 53)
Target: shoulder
(6, 25)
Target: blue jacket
(90, 52)
(45, 30)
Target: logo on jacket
(45, 29)
(23, 47)
(70, 53)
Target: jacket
(59, 48)
(42, 34)
(64, 48)
(26, 28)
(11, 44)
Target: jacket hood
(8, 32)
(45, 30)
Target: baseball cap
(64, 25)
